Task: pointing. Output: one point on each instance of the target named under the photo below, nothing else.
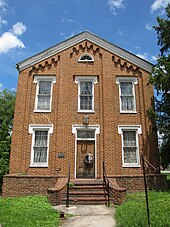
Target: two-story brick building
(82, 101)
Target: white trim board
(80, 38)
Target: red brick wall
(64, 112)
(15, 185)
(136, 183)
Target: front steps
(86, 191)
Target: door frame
(96, 129)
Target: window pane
(127, 103)
(43, 102)
(126, 88)
(44, 87)
(85, 134)
(86, 57)
(130, 155)
(41, 138)
(129, 138)
(85, 88)
(40, 146)
(40, 154)
(86, 102)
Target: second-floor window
(127, 94)
(43, 93)
(86, 93)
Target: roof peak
(85, 35)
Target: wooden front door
(85, 164)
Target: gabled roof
(79, 38)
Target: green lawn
(29, 211)
(133, 212)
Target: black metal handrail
(106, 183)
(153, 167)
(68, 186)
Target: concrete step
(87, 193)
(85, 200)
(87, 187)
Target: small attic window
(85, 58)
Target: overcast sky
(30, 26)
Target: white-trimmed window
(130, 145)
(127, 94)
(44, 93)
(86, 93)
(40, 144)
(86, 58)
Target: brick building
(82, 101)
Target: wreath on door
(89, 159)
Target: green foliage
(7, 102)
(133, 211)
(30, 211)
(160, 78)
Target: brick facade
(65, 67)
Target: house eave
(79, 38)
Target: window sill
(39, 165)
(42, 111)
(85, 111)
(85, 60)
(128, 112)
(131, 165)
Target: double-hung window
(86, 93)
(40, 144)
(130, 145)
(127, 94)
(43, 93)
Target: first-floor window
(40, 147)
(130, 145)
(40, 144)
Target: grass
(29, 211)
(132, 213)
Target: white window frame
(86, 60)
(138, 130)
(32, 129)
(78, 80)
(134, 81)
(37, 80)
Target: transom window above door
(85, 134)
(86, 93)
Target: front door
(85, 164)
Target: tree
(160, 78)
(7, 102)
